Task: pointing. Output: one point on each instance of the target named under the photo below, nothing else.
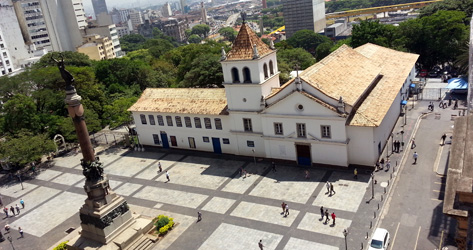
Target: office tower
(303, 15)
(264, 4)
(136, 19)
(100, 6)
(203, 13)
(166, 10)
(183, 6)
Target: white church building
(339, 111)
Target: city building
(183, 4)
(203, 13)
(458, 202)
(166, 10)
(303, 15)
(136, 19)
(264, 4)
(109, 31)
(97, 47)
(174, 28)
(340, 111)
(11, 40)
(100, 6)
(122, 31)
(32, 24)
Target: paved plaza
(238, 211)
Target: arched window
(265, 70)
(271, 67)
(235, 75)
(246, 75)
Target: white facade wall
(362, 148)
(13, 52)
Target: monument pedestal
(106, 221)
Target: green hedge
(61, 246)
(163, 224)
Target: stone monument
(106, 219)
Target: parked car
(423, 73)
(433, 74)
(380, 239)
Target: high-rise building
(183, 6)
(100, 6)
(303, 15)
(109, 31)
(203, 13)
(136, 19)
(264, 4)
(166, 10)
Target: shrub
(61, 246)
(164, 230)
(163, 221)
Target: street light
(372, 185)
(21, 182)
(254, 157)
(345, 233)
(10, 239)
(402, 139)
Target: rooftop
(182, 100)
(242, 48)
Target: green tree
(206, 72)
(70, 59)
(25, 147)
(20, 113)
(158, 47)
(117, 113)
(201, 29)
(228, 33)
(465, 6)
(296, 57)
(369, 31)
(132, 42)
(194, 39)
(339, 43)
(437, 38)
(323, 50)
(307, 40)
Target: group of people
(330, 190)
(285, 209)
(325, 213)
(13, 209)
(380, 164)
(397, 146)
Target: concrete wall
(361, 146)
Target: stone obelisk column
(104, 214)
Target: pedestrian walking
(382, 163)
(444, 136)
(307, 174)
(12, 210)
(287, 211)
(273, 166)
(160, 169)
(22, 202)
(326, 216)
(5, 209)
(331, 189)
(260, 244)
(398, 146)
(167, 175)
(7, 228)
(355, 173)
(377, 165)
(333, 218)
(388, 164)
(455, 106)
(17, 208)
(328, 187)
(322, 212)
(21, 232)
(415, 157)
(283, 205)
(199, 216)
(413, 143)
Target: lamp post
(402, 140)
(254, 157)
(345, 233)
(21, 182)
(10, 239)
(372, 185)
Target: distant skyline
(89, 10)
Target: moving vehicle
(380, 239)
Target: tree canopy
(228, 33)
(201, 29)
(307, 39)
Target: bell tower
(250, 71)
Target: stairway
(142, 243)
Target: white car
(380, 239)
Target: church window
(156, 139)
(143, 119)
(169, 120)
(218, 123)
(265, 70)
(250, 144)
(278, 128)
(151, 120)
(160, 120)
(235, 75)
(246, 75)
(271, 67)
(187, 120)
(301, 133)
(208, 124)
(197, 122)
(178, 121)
(247, 126)
(326, 131)
(226, 141)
